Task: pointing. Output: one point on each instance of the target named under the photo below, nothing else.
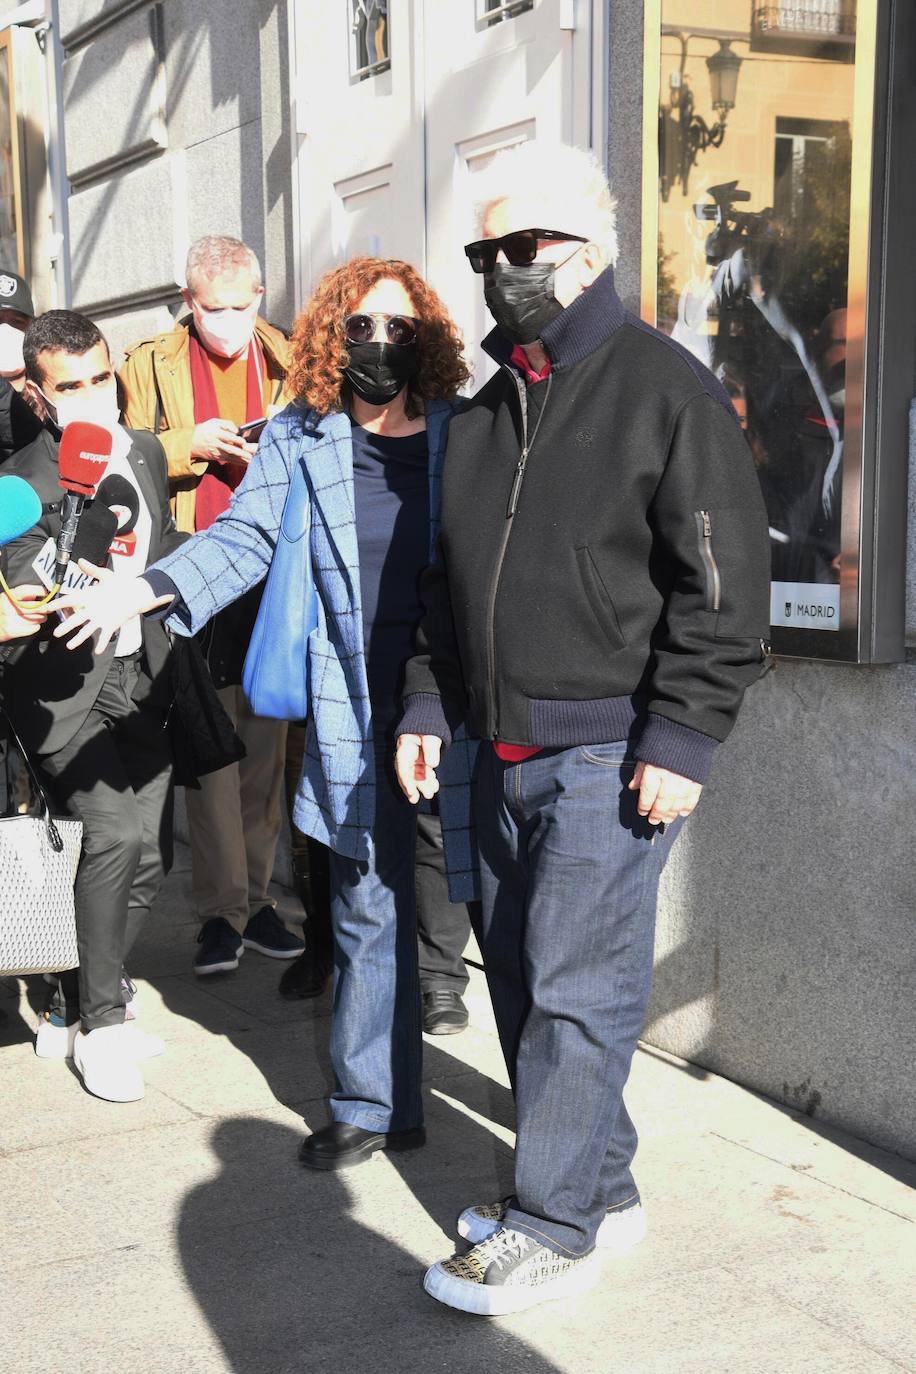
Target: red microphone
(82, 459)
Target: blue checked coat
(335, 801)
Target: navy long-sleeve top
(391, 490)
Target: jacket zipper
(713, 576)
(512, 507)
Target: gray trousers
(115, 775)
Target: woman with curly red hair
(376, 368)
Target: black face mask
(521, 299)
(378, 371)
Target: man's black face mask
(378, 371)
(521, 299)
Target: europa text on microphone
(82, 459)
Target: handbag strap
(54, 837)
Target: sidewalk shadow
(289, 1279)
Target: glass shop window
(755, 180)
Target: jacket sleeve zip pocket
(710, 566)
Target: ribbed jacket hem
(562, 724)
(666, 744)
(424, 715)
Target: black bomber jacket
(603, 566)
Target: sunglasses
(520, 248)
(399, 329)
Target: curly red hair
(319, 348)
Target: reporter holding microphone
(93, 723)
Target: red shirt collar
(519, 358)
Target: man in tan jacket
(202, 388)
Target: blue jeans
(569, 874)
(376, 1044)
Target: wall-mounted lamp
(682, 133)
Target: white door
(491, 85)
(359, 133)
(387, 154)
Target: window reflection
(753, 247)
(370, 48)
(494, 11)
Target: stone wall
(176, 125)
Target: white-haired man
(202, 387)
(597, 610)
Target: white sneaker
(617, 1235)
(55, 1041)
(107, 1064)
(509, 1273)
(142, 1045)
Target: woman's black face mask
(378, 371)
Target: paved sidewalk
(180, 1235)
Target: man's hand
(415, 762)
(104, 608)
(19, 624)
(216, 441)
(663, 795)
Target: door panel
(360, 162)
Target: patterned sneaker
(619, 1233)
(128, 996)
(509, 1273)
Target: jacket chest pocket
(729, 576)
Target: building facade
(752, 148)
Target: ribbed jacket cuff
(666, 744)
(424, 715)
(162, 585)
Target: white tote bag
(38, 861)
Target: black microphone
(81, 459)
(97, 528)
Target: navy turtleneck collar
(585, 324)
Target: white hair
(217, 255)
(564, 188)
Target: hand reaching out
(103, 609)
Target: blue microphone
(20, 508)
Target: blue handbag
(275, 677)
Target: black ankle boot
(308, 975)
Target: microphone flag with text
(82, 459)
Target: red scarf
(221, 478)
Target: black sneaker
(444, 1013)
(220, 947)
(509, 1273)
(266, 933)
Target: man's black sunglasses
(520, 248)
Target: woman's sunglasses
(520, 248)
(399, 329)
